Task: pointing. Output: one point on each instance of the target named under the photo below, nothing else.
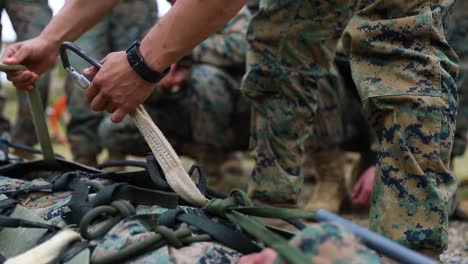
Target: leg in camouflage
(404, 70)
(291, 46)
(4, 122)
(322, 148)
(458, 39)
(128, 22)
(83, 121)
(28, 19)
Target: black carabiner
(79, 78)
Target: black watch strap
(139, 66)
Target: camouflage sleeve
(228, 46)
(28, 17)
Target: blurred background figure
(55, 114)
(28, 18)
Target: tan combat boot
(235, 171)
(329, 190)
(116, 155)
(212, 160)
(24, 154)
(86, 160)
(308, 168)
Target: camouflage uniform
(211, 115)
(226, 48)
(127, 22)
(28, 18)
(458, 39)
(405, 73)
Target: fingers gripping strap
(37, 112)
(170, 163)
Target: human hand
(37, 54)
(116, 87)
(176, 76)
(362, 190)
(266, 256)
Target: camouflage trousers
(28, 19)
(405, 74)
(127, 22)
(206, 113)
(458, 39)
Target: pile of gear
(135, 216)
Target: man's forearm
(75, 18)
(186, 25)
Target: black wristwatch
(138, 65)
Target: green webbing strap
(39, 120)
(270, 212)
(4, 67)
(37, 112)
(229, 208)
(220, 232)
(254, 227)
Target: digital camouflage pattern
(227, 47)
(28, 18)
(405, 74)
(127, 22)
(322, 242)
(327, 128)
(130, 231)
(458, 39)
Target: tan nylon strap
(170, 163)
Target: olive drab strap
(40, 124)
(37, 112)
(239, 209)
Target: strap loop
(117, 211)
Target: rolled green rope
(118, 209)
